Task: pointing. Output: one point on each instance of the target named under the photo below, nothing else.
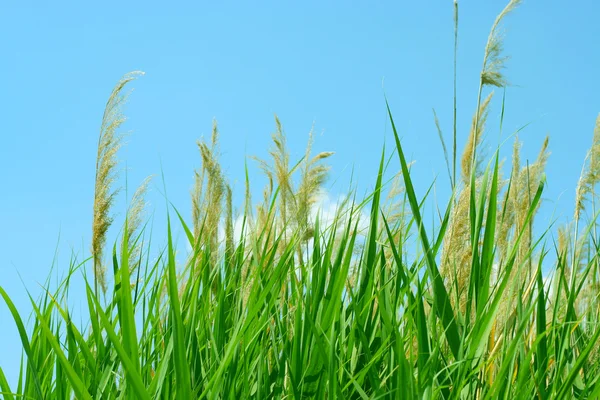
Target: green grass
(299, 308)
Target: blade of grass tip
(181, 366)
(476, 222)
(502, 115)
(401, 273)
(188, 232)
(443, 225)
(442, 303)
(20, 379)
(371, 245)
(138, 270)
(24, 340)
(337, 285)
(182, 372)
(479, 212)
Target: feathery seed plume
(591, 173)
(106, 165)
(493, 61)
(475, 138)
(135, 218)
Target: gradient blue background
(326, 63)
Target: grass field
(293, 306)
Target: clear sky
(326, 63)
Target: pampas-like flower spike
(106, 164)
(214, 198)
(208, 195)
(591, 175)
(474, 140)
(135, 218)
(314, 175)
(279, 172)
(228, 222)
(493, 62)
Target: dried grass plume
(106, 172)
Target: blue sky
(326, 63)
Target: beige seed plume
(591, 174)
(214, 199)
(263, 221)
(563, 240)
(506, 219)
(106, 164)
(457, 251)
(563, 248)
(207, 194)
(228, 222)
(278, 172)
(281, 170)
(524, 183)
(314, 175)
(517, 205)
(394, 208)
(135, 218)
(474, 140)
(528, 181)
(294, 204)
(493, 61)
(197, 202)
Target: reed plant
(292, 305)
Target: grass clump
(292, 305)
